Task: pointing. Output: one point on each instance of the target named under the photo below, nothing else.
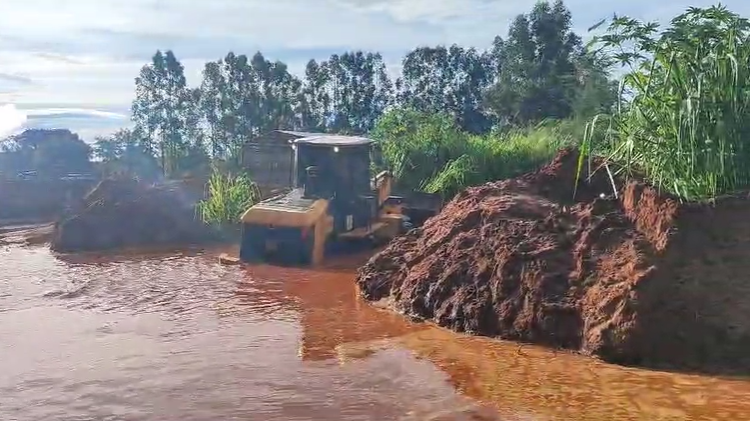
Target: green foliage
(488, 158)
(544, 72)
(450, 80)
(684, 126)
(228, 197)
(417, 145)
(124, 152)
(539, 72)
(345, 94)
(429, 152)
(241, 97)
(162, 109)
(455, 115)
(52, 153)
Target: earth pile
(637, 278)
(120, 213)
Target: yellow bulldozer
(334, 205)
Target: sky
(71, 64)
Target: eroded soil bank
(36, 201)
(639, 279)
(127, 213)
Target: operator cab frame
(337, 168)
(332, 166)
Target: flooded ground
(176, 336)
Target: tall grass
(428, 152)
(498, 157)
(684, 121)
(228, 198)
(416, 146)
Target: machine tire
(252, 247)
(305, 249)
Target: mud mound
(28, 235)
(125, 213)
(43, 200)
(638, 279)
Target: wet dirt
(120, 213)
(177, 336)
(27, 234)
(637, 278)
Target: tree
(314, 99)
(277, 94)
(227, 92)
(241, 98)
(537, 76)
(539, 71)
(597, 93)
(194, 155)
(52, 153)
(108, 149)
(451, 80)
(159, 108)
(417, 145)
(210, 106)
(348, 92)
(125, 151)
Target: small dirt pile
(639, 279)
(126, 213)
(28, 235)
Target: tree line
(41, 153)
(539, 70)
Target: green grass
(428, 152)
(228, 198)
(686, 123)
(498, 157)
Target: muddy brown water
(176, 336)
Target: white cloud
(10, 119)
(86, 53)
(75, 112)
(439, 13)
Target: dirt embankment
(26, 235)
(640, 279)
(44, 200)
(127, 213)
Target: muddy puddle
(176, 336)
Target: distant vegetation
(539, 71)
(458, 115)
(51, 153)
(430, 152)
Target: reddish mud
(174, 335)
(639, 279)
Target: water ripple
(176, 336)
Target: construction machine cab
(332, 166)
(335, 203)
(337, 169)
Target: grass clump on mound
(684, 122)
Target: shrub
(228, 198)
(428, 152)
(685, 122)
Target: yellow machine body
(276, 216)
(280, 224)
(336, 201)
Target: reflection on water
(176, 336)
